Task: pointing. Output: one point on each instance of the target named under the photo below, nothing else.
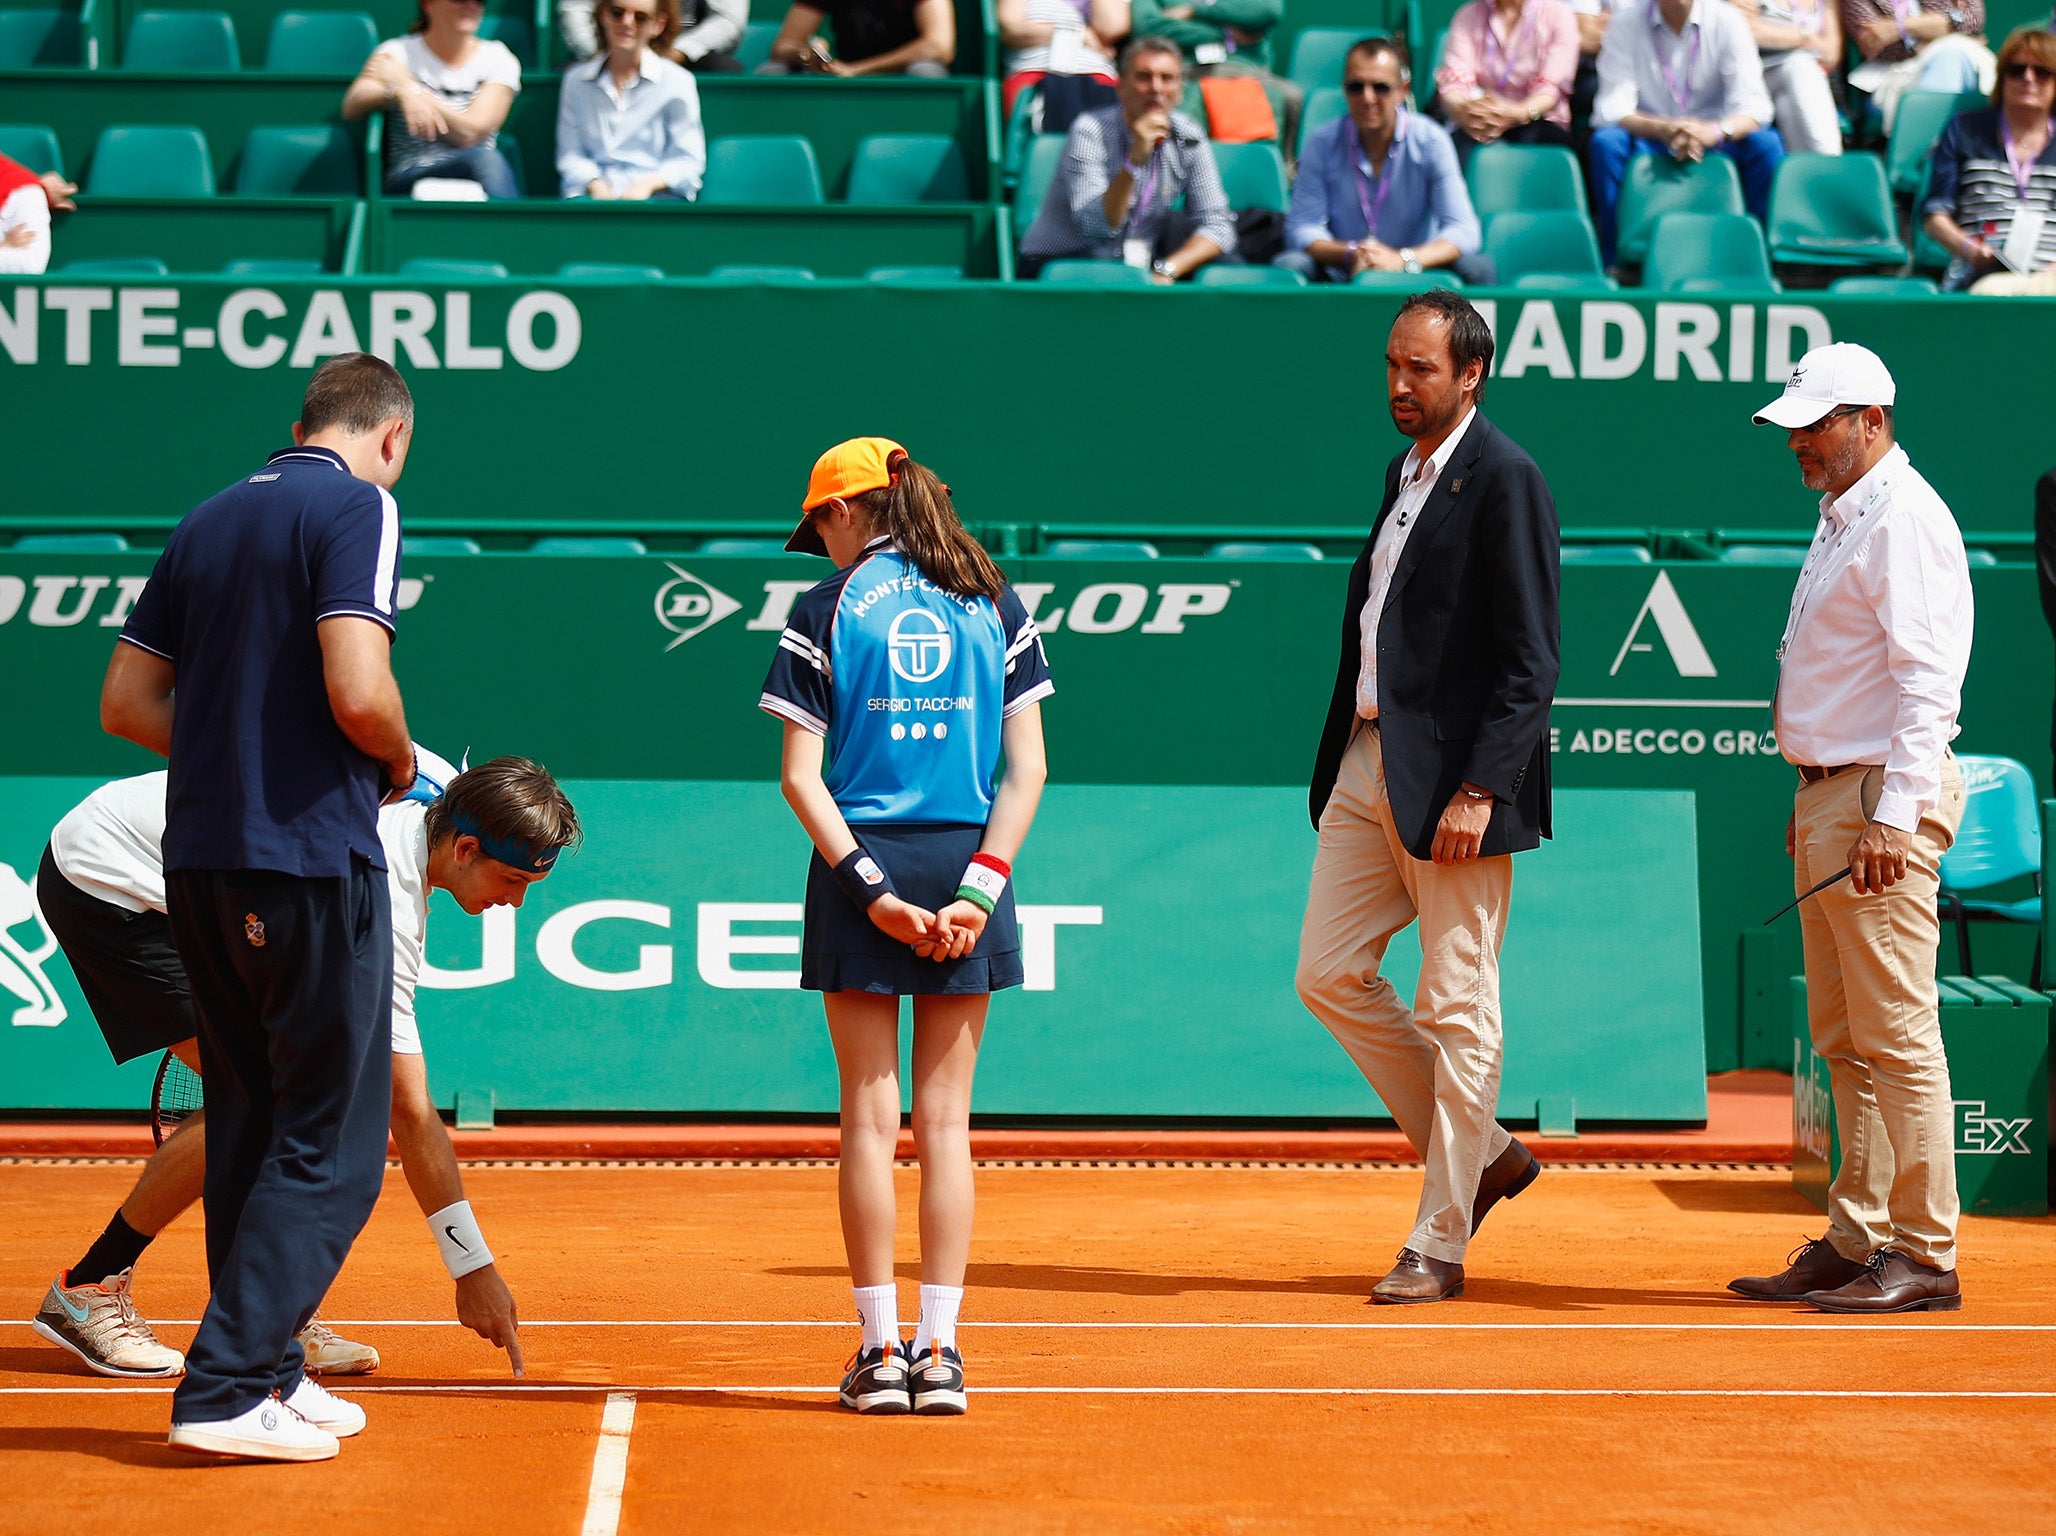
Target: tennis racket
(175, 1095)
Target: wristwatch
(1163, 268)
(1408, 260)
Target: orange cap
(848, 469)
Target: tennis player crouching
(495, 830)
(906, 672)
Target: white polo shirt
(1872, 663)
(1416, 479)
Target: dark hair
(1470, 338)
(1368, 48)
(1153, 42)
(2030, 45)
(355, 391)
(512, 799)
(915, 512)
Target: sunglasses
(623, 13)
(2025, 71)
(1379, 88)
(1835, 415)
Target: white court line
(610, 1466)
(693, 1389)
(1853, 1327)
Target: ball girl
(902, 680)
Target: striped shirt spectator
(1974, 185)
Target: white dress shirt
(26, 208)
(605, 133)
(1416, 479)
(1871, 667)
(1711, 71)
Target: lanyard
(2022, 166)
(1681, 90)
(1502, 74)
(1373, 202)
(1145, 188)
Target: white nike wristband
(457, 1235)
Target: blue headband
(514, 852)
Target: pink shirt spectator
(1481, 56)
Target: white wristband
(457, 1235)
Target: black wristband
(861, 879)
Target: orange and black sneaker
(939, 1381)
(875, 1381)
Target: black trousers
(292, 980)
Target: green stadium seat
(1555, 242)
(564, 545)
(1097, 274)
(513, 29)
(272, 267)
(754, 548)
(1254, 549)
(1317, 54)
(1044, 155)
(1889, 287)
(1563, 282)
(741, 272)
(1980, 557)
(1525, 178)
(1406, 282)
(32, 145)
(153, 160)
(70, 544)
(1605, 554)
(1100, 549)
(771, 170)
(439, 544)
(755, 47)
(1764, 554)
(1323, 106)
(184, 42)
(301, 160)
(1916, 125)
(611, 272)
(1689, 251)
(118, 266)
(1253, 175)
(897, 168)
(437, 269)
(40, 39)
(916, 274)
(1833, 211)
(319, 42)
(1216, 275)
(1656, 185)
(1928, 254)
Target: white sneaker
(324, 1410)
(98, 1323)
(330, 1354)
(268, 1432)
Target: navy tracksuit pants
(292, 981)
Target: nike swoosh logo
(77, 1314)
(453, 1238)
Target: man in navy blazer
(1433, 770)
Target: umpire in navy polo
(271, 614)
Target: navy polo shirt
(262, 777)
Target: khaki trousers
(1872, 1008)
(1436, 1064)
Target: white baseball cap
(1841, 374)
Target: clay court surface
(1151, 1348)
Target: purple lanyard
(2023, 169)
(1503, 74)
(1145, 188)
(1373, 202)
(1681, 90)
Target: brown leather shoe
(1510, 1173)
(1417, 1278)
(1812, 1266)
(1893, 1282)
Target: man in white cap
(1870, 678)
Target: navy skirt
(842, 950)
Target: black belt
(1808, 774)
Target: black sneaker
(876, 1381)
(938, 1380)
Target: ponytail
(916, 513)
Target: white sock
(938, 1325)
(878, 1311)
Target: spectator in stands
(1125, 168)
(1681, 78)
(1799, 44)
(1593, 15)
(872, 37)
(26, 202)
(2045, 554)
(445, 91)
(1991, 194)
(1916, 45)
(1066, 47)
(1507, 73)
(1231, 38)
(708, 34)
(628, 122)
(1380, 189)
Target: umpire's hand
(486, 1307)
